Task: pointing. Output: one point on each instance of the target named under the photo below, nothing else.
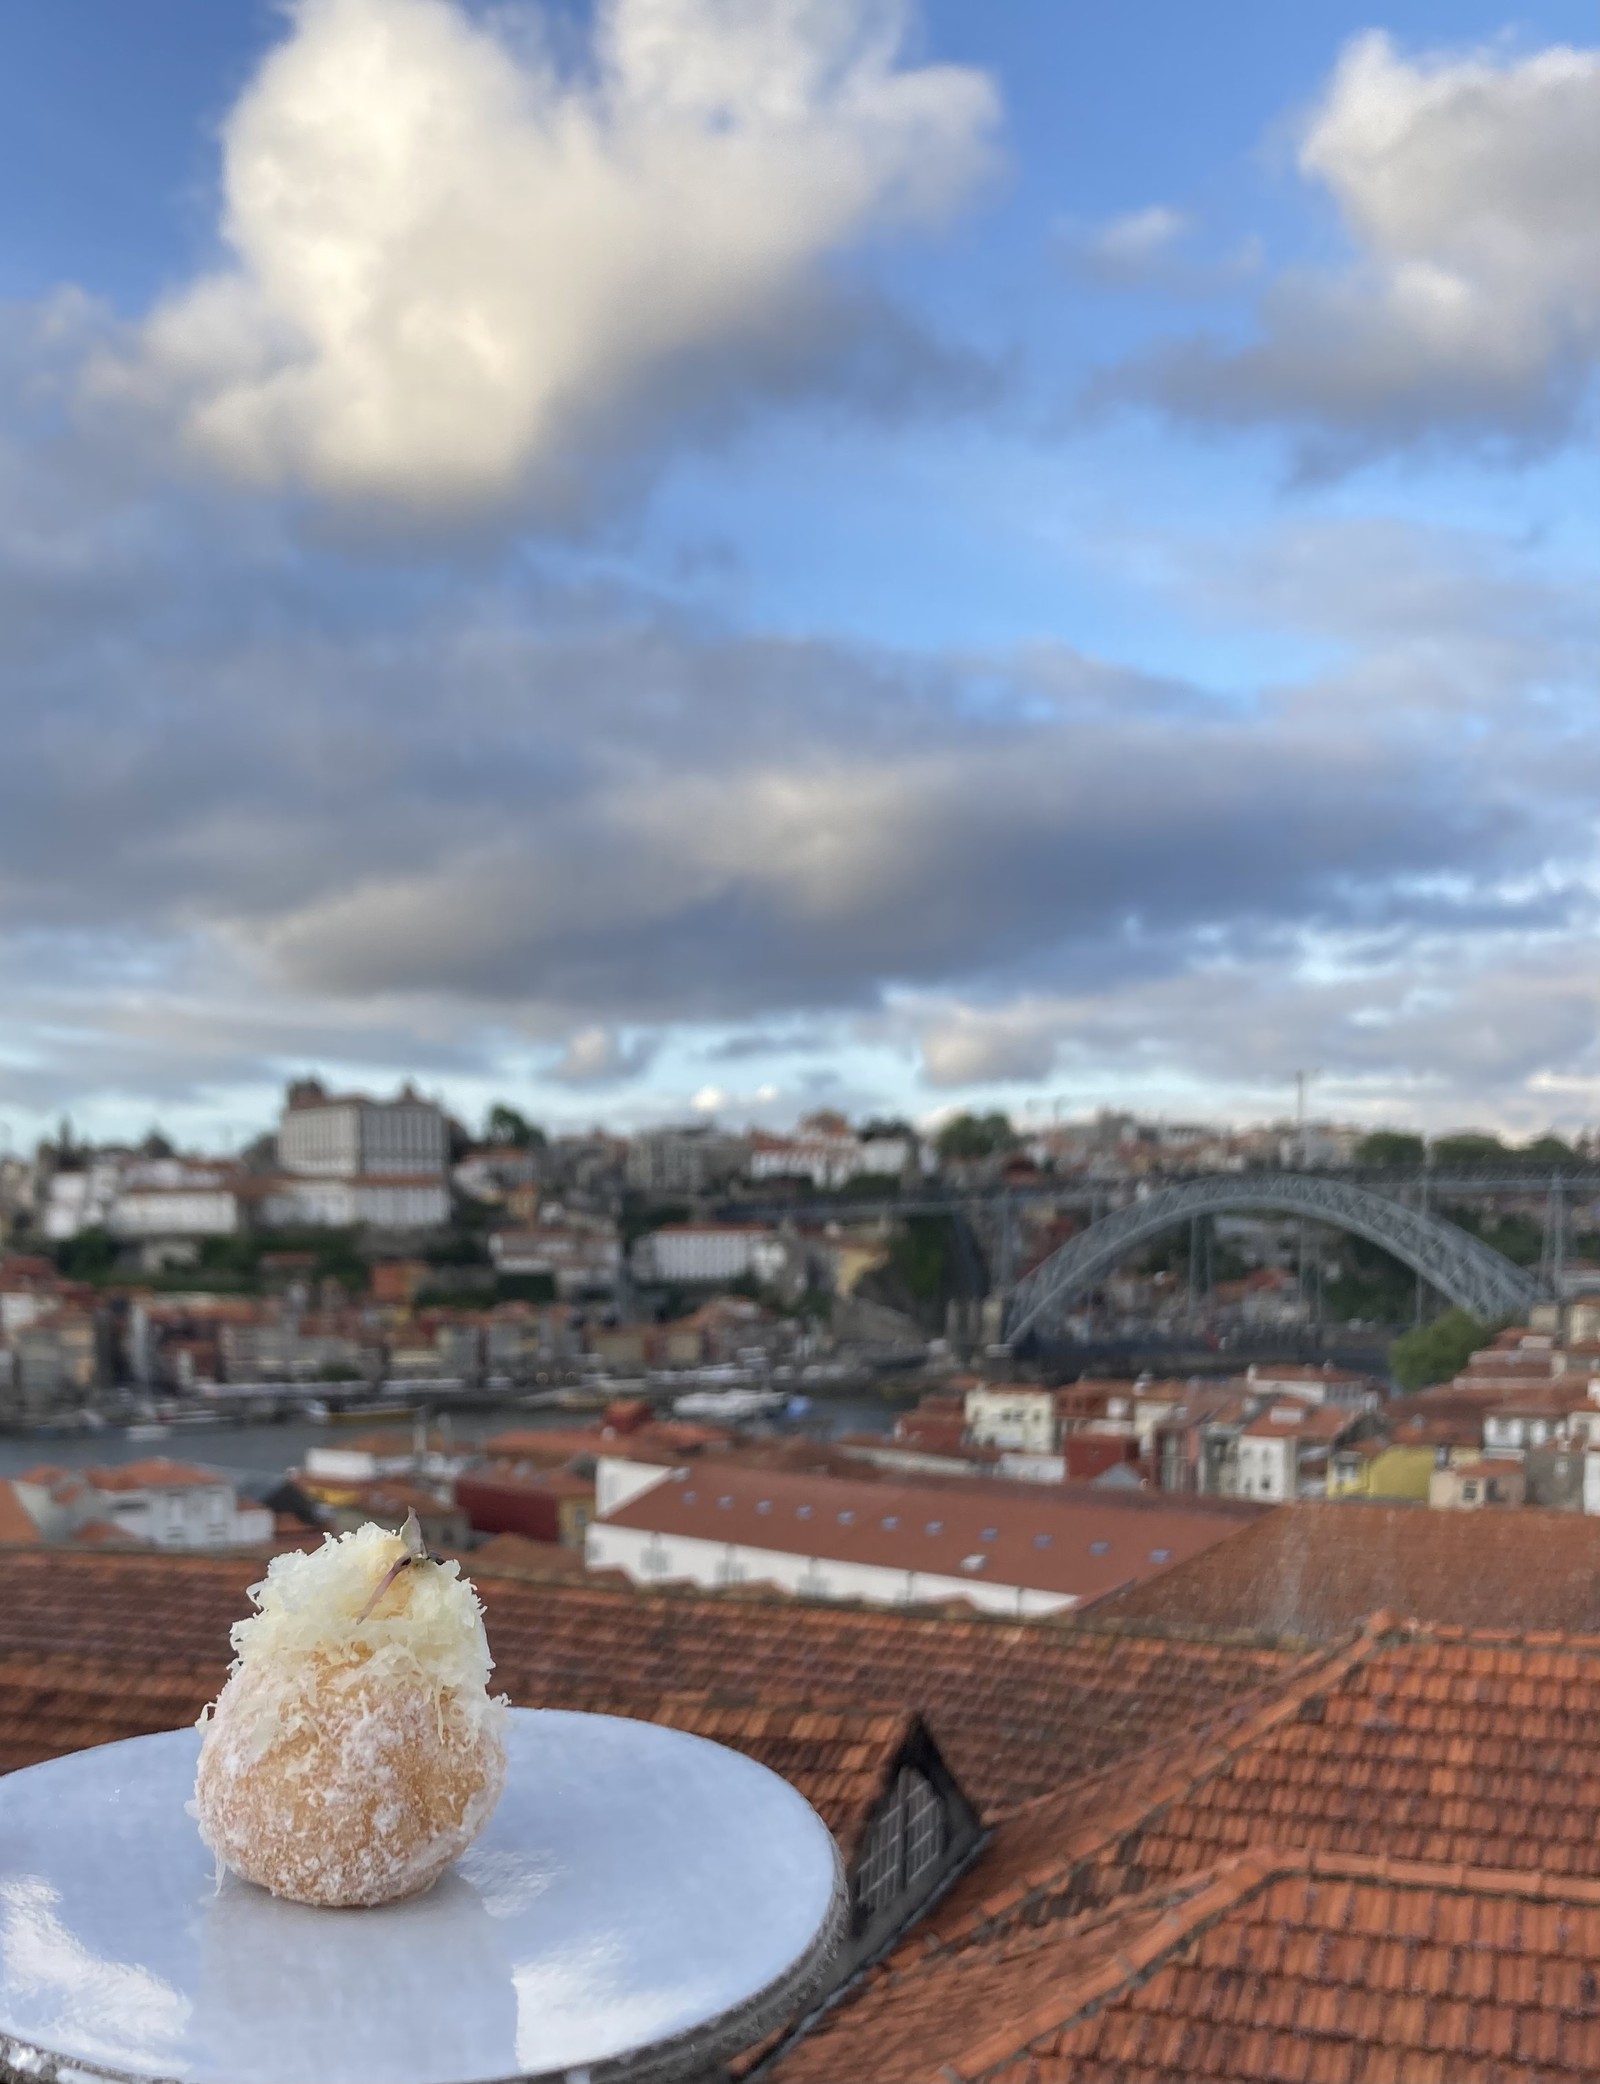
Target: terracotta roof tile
(1316, 1569)
(1247, 1971)
(17, 1524)
(1073, 1541)
(1015, 1707)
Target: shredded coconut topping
(426, 1629)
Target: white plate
(641, 1902)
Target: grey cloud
(574, 810)
(1448, 1028)
(286, 805)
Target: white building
(1284, 1453)
(828, 1157)
(81, 1200)
(172, 1505)
(578, 1256)
(690, 1160)
(198, 1209)
(1006, 1548)
(421, 1203)
(345, 1136)
(710, 1252)
(1012, 1414)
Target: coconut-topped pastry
(355, 1750)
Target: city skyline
(758, 557)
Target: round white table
(642, 1904)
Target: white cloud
(1128, 250)
(458, 268)
(599, 1056)
(1467, 187)
(971, 1045)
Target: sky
(715, 558)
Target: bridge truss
(1462, 1268)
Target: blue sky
(739, 554)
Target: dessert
(355, 1750)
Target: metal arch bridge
(1466, 1271)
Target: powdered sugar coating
(350, 1759)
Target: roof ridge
(1209, 1748)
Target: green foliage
(871, 1186)
(459, 1249)
(528, 1288)
(90, 1256)
(881, 1125)
(1389, 1149)
(1519, 1237)
(505, 1126)
(976, 1136)
(640, 1216)
(1434, 1352)
(1549, 1150)
(1372, 1285)
(1471, 1147)
(921, 1255)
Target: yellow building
(1378, 1469)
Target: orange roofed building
(168, 1504)
(1013, 1548)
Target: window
(1469, 1493)
(1099, 1548)
(1161, 1555)
(725, 1500)
(763, 1505)
(905, 1844)
(689, 1497)
(891, 1519)
(990, 1534)
(1041, 1541)
(935, 1527)
(802, 1512)
(846, 1519)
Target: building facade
(346, 1136)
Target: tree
(976, 1136)
(1434, 1352)
(90, 1256)
(879, 1127)
(514, 1131)
(1390, 1150)
(1469, 1147)
(1550, 1150)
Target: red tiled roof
(155, 1474)
(1315, 1569)
(842, 1759)
(16, 1522)
(1439, 1764)
(106, 1534)
(1279, 1967)
(518, 1555)
(1079, 1544)
(1016, 1707)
